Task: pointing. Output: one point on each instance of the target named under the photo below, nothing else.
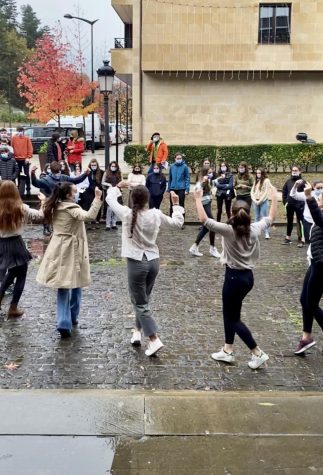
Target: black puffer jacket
(316, 231)
(8, 168)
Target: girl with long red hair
(14, 256)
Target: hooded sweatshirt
(48, 183)
(179, 177)
(156, 184)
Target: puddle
(56, 455)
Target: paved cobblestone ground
(187, 305)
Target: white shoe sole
(266, 358)
(152, 354)
(231, 361)
(306, 347)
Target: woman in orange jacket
(74, 148)
(158, 150)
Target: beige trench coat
(65, 264)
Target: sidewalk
(160, 433)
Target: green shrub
(272, 157)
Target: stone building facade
(230, 72)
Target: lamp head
(106, 75)
(68, 15)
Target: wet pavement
(187, 305)
(176, 432)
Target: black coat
(156, 184)
(287, 189)
(316, 231)
(52, 152)
(8, 168)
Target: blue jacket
(179, 177)
(48, 183)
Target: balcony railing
(123, 43)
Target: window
(274, 23)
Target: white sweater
(136, 179)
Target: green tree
(8, 12)
(30, 26)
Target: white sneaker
(153, 347)
(194, 250)
(257, 361)
(214, 252)
(223, 356)
(267, 235)
(136, 338)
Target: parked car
(40, 135)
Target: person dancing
(313, 282)
(14, 256)
(140, 228)
(240, 242)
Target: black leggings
(220, 200)
(203, 231)
(155, 201)
(290, 210)
(237, 284)
(19, 273)
(311, 295)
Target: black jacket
(52, 153)
(8, 168)
(48, 183)
(316, 231)
(156, 184)
(286, 192)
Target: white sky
(106, 29)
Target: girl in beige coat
(65, 265)
(260, 194)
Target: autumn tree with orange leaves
(52, 85)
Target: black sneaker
(114, 227)
(287, 241)
(304, 345)
(64, 332)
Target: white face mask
(5, 155)
(178, 160)
(113, 169)
(155, 138)
(318, 193)
(258, 175)
(223, 169)
(20, 134)
(156, 171)
(94, 167)
(295, 173)
(242, 170)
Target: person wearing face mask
(65, 265)
(64, 167)
(8, 166)
(158, 150)
(111, 177)
(95, 179)
(203, 182)
(81, 187)
(135, 178)
(74, 149)
(243, 183)
(293, 206)
(55, 149)
(317, 190)
(23, 152)
(156, 184)
(224, 190)
(179, 180)
(260, 193)
(4, 140)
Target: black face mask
(136, 172)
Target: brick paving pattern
(187, 305)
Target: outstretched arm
(313, 207)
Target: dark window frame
(273, 38)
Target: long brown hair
(261, 179)
(98, 172)
(59, 193)
(116, 174)
(204, 184)
(139, 199)
(11, 207)
(245, 175)
(240, 219)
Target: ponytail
(59, 193)
(240, 220)
(139, 199)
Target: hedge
(271, 157)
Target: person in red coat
(74, 148)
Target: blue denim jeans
(68, 307)
(261, 211)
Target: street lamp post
(106, 75)
(70, 17)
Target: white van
(81, 122)
(113, 134)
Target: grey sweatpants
(141, 279)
